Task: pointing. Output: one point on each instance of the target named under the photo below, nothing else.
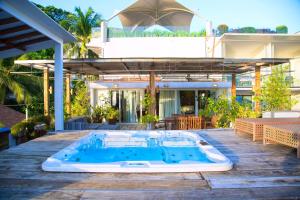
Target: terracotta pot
(112, 121)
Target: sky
(234, 13)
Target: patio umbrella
(167, 13)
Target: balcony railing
(123, 33)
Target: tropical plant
(81, 25)
(282, 29)
(276, 92)
(23, 128)
(23, 86)
(111, 113)
(81, 101)
(148, 118)
(226, 111)
(247, 29)
(98, 114)
(222, 28)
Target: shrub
(227, 111)
(222, 28)
(282, 29)
(98, 114)
(24, 128)
(81, 101)
(248, 29)
(2, 125)
(111, 113)
(148, 118)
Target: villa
(179, 71)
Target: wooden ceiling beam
(14, 29)
(9, 20)
(23, 36)
(11, 45)
(24, 44)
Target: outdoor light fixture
(50, 89)
(115, 85)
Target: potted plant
(149, 120)
(97, 114)
(112, 115)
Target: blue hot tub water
(170, 150)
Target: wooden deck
(260, 172)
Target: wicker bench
(254, 126)
(288, 135)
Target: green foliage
(147, 103)
(2, 125)
(227, 111)
(81, 102)
(222, 28)
(111, 113)
(23, 86)
(276, 92)
(81, 25)
(115, 32)
(248, 29)
(148, 118)
(282, 29)
(24, 128)
(98, 114)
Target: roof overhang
(158, 65)
(162, 85)
(260, 37)
(25, 28)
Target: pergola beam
(14, 29)
(22, 45)
(8, 20)
(22, 36)
(10, 45)
(257, 88)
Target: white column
(196, 103)
(103, 32)
(92, 97)
(59, 88)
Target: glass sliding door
(187, 102)
(131, 105)
(166, 103)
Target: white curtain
(166, 104)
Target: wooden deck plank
(260, 172)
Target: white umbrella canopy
(167, 13)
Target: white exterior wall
(160, 47)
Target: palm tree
(23, 86)
(81, 26)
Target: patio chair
(288, 134)
(254, 126)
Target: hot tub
(138, 152)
